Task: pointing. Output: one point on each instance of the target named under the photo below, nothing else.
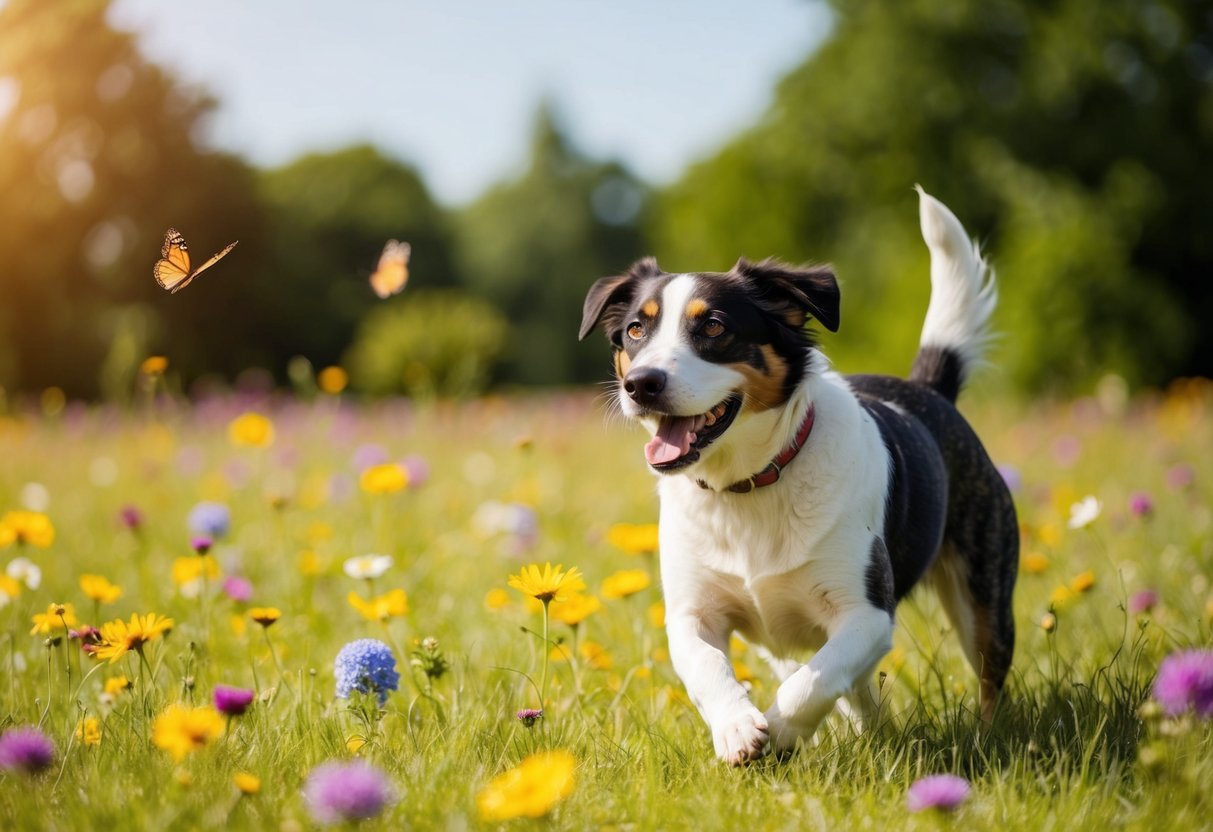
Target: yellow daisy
(529, 790)
(26, 527)
(247, 783)
(575, 609)
(384, 479)
(98, 588)
(88, 731)
(265, 616)
(181, 729)
(547, 584)
(392, 604)
(56, 617)
(252, 430)
(634, 538)
(625, 582)
(119, 637)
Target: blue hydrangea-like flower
(366, 665)
(211, 519)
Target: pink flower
(338, 792)
(26, 749)
(131, 517)
(1140, 504)
(529, 716)
(238, 589)
(1142, 601)
(1185, 680)
(938, 791)
(232, 701)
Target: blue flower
(211, 519)
(366, 665)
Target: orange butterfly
(172, 270)
(393, 269)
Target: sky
(452, 86)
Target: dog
(798, 505)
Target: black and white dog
(798, 506)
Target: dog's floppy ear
(795, 292)
(612, 292)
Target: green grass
(1068, 748)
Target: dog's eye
(636, 331)
(712, 328)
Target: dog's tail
(963, 294)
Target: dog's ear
(795, 292)
(611, 293)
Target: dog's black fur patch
(878, 578)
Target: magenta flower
(232, 701)
(201, 544)
(131, 517)
(529, 716)
(938, 791)
(1185, 680)
(1140, 504)
(238, 589)
(26, 749)
(1142, 601)
(338, 792)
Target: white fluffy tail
(956, 332)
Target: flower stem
(274, 655)
(543, 684)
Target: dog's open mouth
(680, 439)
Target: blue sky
(451, 87)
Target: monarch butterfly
(172, 270)
(393, 270)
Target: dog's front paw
(741, 738)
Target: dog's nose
(645, 384)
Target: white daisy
(25, 571)
(367, 567)
(1085, 512)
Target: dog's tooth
(709, 418)
(718, 410)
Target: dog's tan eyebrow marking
(697, 307)
(651, 308)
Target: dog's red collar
(770, 474)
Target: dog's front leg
(700, 656)
(858, 640)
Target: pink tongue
(673, 440)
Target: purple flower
(418, 470)
(210, 519)
(529, 716)
(238, 589)
(131, 517)
(939, 791)
(366, 665)
(1142, 601)
(368, 455)
(1180, 476)
(232, 701)
(1185, 680)
(338, 792)
(201, 544)
(26, 749)
(1140, 504)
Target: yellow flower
(247, 783)
(192, 567)
(575, 609)
(633, 538)
(26, 527)
(354, 743)
(392, 604)
(547, 584)
(1060, 596)
(100, 589)
(265, 616)
(154, 365)
(56, 617)
(496, 599)
(181, 729)
(114, 685)
(1048, 622)
(530, 790)
(625, 582)
(1035, 563)
(656, 614)
(595, 655)
(11, 588)
(1083, 581)
(332, 380)
(743, 672)
(309, 564)
(88, 731)
(118, 636)
(384, 479)
(1050, 535)
(251, 429)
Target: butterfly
(172, 270)
(393, 270)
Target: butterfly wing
(215, 258)
(392, 273)
(172, 270)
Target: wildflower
(1083, 581)
(153, 365)
(114, 685)
(25, 571)
(181, 729)
(417, 469)
(88, 731)
(1142, 601)
(596, 655)
(1180, 476)
(1060, 596)
(1140, 504)
(131, 517)
(191, 573)
(201, 544)
(337, 792)
(386, 478)
(26, 528)
(247, 783)
(529, 790)
(368, 455)
(56, 617)
(88, 636)
(98, 588)
(575, 609)
(635, 539)
(366, 665)
(232, 701)
(496, 598)
(119, 637)
(529, 716)
(212, 519)
(1048, 622)
(309, 564)
(25, 749)
(332, 380)
(265, 616)
(656, 614)
(1185, 680)
(625, 582)
(429, 659)
(237, 588)
(1035, 563)
(1085, 512)
(939, 791)
(367, 567)
(9, 589)
(548, 584)
(354, 743)
(393, 604)
(251, 430)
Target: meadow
(255, 534)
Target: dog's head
(694, 353)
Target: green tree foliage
(97, 158)
(533, 246)
(1072, 138)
